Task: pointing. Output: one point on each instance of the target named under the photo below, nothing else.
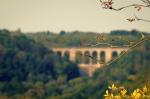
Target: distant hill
(83, 39)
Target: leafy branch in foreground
(108, 4)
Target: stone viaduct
(86, 57)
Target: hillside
(131, 71)
(30, 70)
(25, 63)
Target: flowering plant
(114, 92)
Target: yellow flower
(123, 92)
(136, 94)
(116, 93)
(145, 90)
(107, 94)
(112, 87)
(117, 97)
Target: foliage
(121, 93)
(29, 70)
(24, 63)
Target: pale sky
(68, 15)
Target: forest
(30, 70)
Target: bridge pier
(108, 55)
(72, 56)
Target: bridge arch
(94, 55)
(114, 54)
(59, 53)
(102, 56)
(67, 55)
(86, 57)
(79, 57)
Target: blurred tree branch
(108, 4)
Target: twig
(130, 48)
(132, 5)
(139, 19)
(108, 5)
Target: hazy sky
(68, 15)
